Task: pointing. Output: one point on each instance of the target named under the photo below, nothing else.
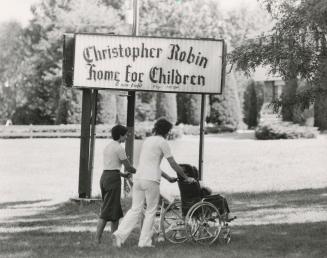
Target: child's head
(118, 133)
(190, 171)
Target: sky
(16, 9)
(20, 9)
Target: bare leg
(114, 225)
(100, 227)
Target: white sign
(148, 64)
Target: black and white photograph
(163, 128)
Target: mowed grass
(278, 190)
(232, 163)
(67, 230)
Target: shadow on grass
(284, 240)
(67, 230)
(5, 205)
(304, 198)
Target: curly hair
(162, 127)
(117, 131)
(190, 171)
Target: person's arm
(172, 162)
(128, 166)
(123, 158)
(168, 178)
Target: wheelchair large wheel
(172, 223)
(203, 223)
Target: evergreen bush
(253, 100)
(225, 109)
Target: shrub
(144, 112)
(225, 109)
(253, 100)
(144, 129)
(276, 129)
(141, 131)
(189, 129)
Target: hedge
(73, 131)
(275, 129)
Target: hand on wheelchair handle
(189, 180)
(172, 180)
(127, 175)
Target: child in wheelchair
(195, 192)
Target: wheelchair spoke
(205, 211)
(178, 215)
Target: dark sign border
(223, 72)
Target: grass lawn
(67, 230)
(277, 189)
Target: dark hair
(162, 127)
(190, 171)
(117, 131)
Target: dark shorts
(110, 185)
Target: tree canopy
(39, 95)
(294, 48)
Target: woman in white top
(114, 156)
(146, 185)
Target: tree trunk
(320, 111)
(288, 99)
(320, 106)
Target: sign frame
(223, 64)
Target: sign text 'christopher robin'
(148, 64)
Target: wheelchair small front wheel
(172, 223)
(225, 236)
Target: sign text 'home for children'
(148, 63)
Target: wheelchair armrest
(212, 197)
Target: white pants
(143, 190)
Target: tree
(165, 15)
(41, 76)
(166, 106)
(107, 108)
(11, 59)
(189, 108)
(145, 109)
(69, 107)
(243, 23)
(295, 47)
(198, 19)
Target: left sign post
(85, 164)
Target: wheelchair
(203, 222)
